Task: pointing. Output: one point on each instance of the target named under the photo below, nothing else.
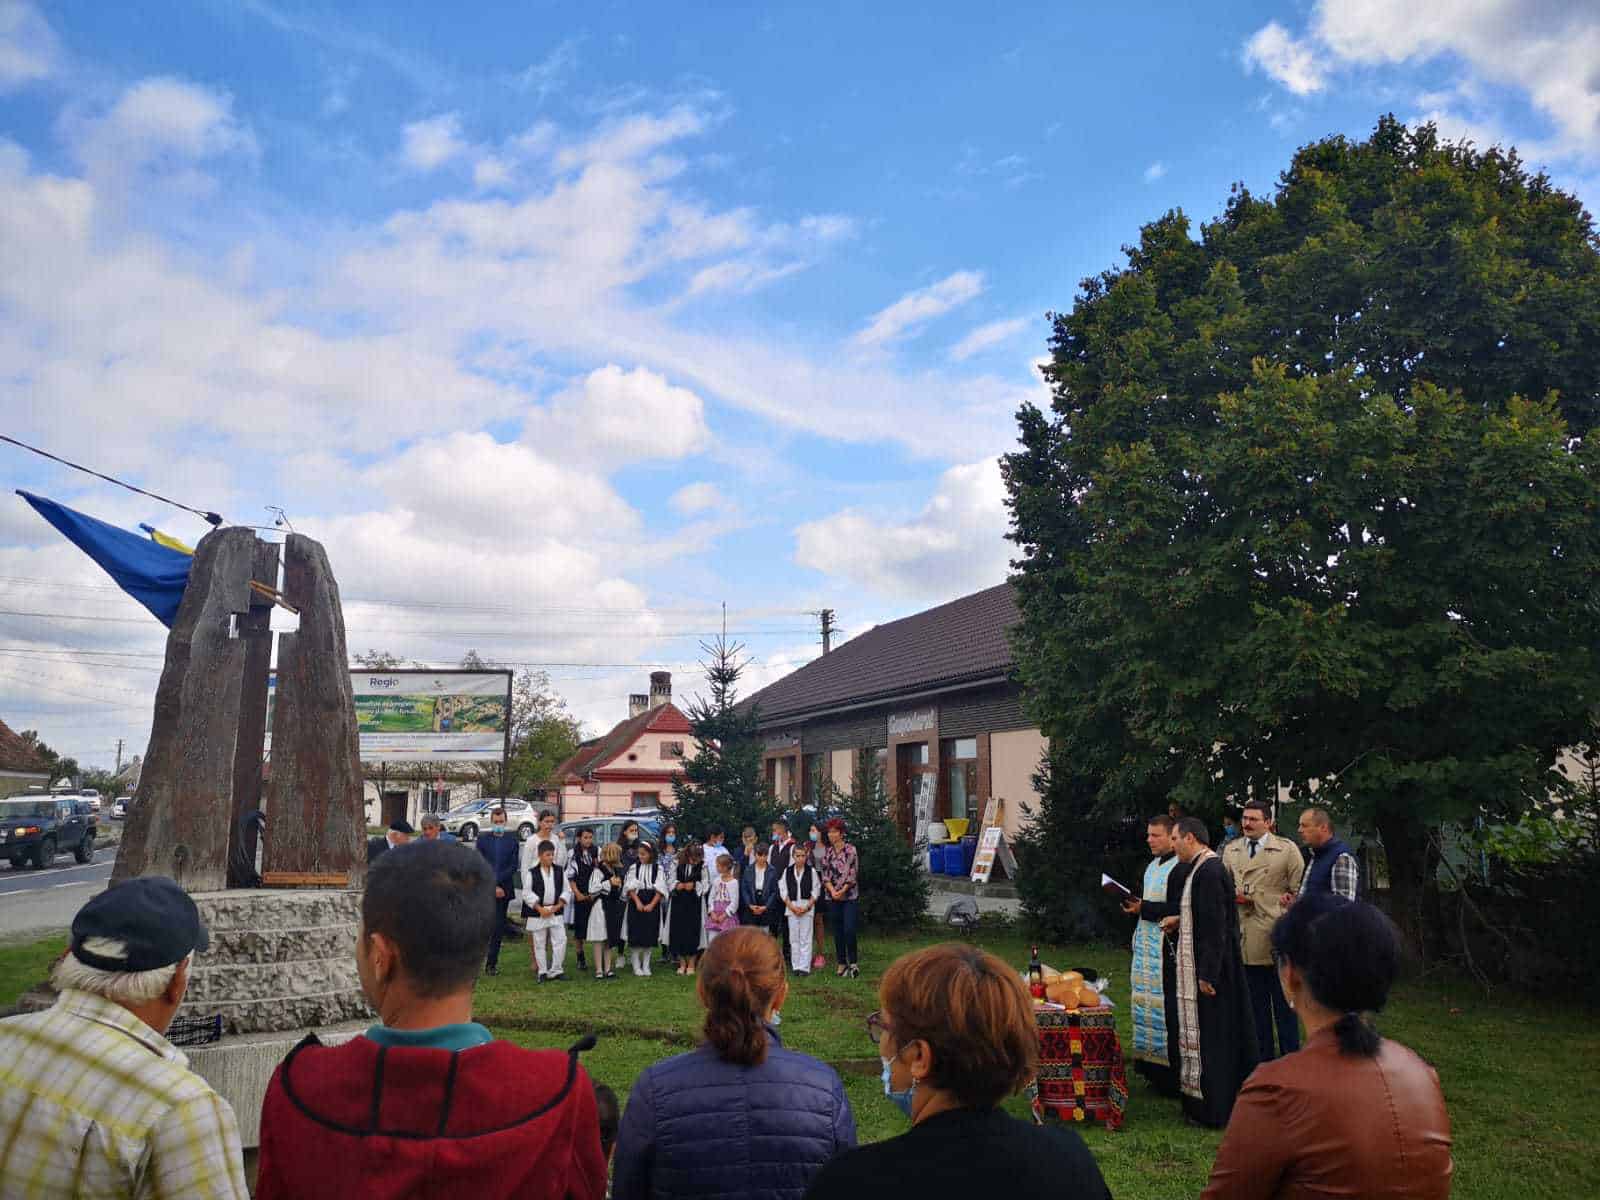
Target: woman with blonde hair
(741, 1116)
(957, 1037)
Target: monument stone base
(281, 965)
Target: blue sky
(581, 320)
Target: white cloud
(154, 138)
(549, 73)
(29, 50)
(1291, 62)
(912, 311)
(955, 545)
(1545, 48)
(700, 497)
(616, 416)
(1154, 171)
(986, 337)
(634, 137)
(430, 144)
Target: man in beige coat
(1264, 867)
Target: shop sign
(921, 720)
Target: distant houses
(632, 766)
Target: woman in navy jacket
(741, 1116)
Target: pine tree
(894, 887)
(723, 784)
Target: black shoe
(491, 969)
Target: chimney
(660, 688)
(638, 703)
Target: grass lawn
(1522, 1077)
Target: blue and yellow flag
(152, 573)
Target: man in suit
(1265, 868)
(503, 851)
(399, 834)
(758, 893)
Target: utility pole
(827, 629)
(118, 771)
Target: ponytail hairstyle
(740, 977)
(1348, 953)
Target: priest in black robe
(1214, 1024)
(1165, 1080)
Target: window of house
(646, 799)
(960, 757)
(671, 749)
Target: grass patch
(1521, 1076)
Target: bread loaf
(1088, 997)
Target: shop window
(671, 749)
(960, 757)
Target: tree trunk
(1408, 845)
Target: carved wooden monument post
(203, 768)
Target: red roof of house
(18, 755)
(596, 753)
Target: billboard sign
(427, 716)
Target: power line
(210, 518)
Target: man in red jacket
(427, 1103)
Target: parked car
(608, 828)
(38, 828)
(92, 796)
(119, 810)
(465, 821)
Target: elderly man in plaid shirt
(94, 1101)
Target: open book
(1112, 888)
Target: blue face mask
(902, 1100)
(815, 836)
(672, 839)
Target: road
(40, 902)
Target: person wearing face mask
(503, 852)
(819, 919)
(667, 860)
(956, 1036)
(741, 1116)
(1352, 1113)
(628, 840)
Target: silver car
(465, 821)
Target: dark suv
(37, 828)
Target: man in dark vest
(1333, 867)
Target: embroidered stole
(1149, 994)
(1189, 1048)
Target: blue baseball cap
(152, 916)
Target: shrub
(894, 887)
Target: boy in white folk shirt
(798, 888)
(545, 898)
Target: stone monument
(281, 961)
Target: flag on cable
(153, 574)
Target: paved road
(39, 902)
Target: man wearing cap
(398, 835)
(94, 1101)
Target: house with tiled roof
(631, 766)
(932, 696)
(21, 765)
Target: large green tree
(724, 782)
(1317, 498)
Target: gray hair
(122, 987)
(430, 821)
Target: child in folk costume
(798, 888)
(613, 908)
(587, 883)
(686, 917)
(646, 891)
(722, 901)
(667, 860)
(544, 903)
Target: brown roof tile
(17, 755)
(964, 640)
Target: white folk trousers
(800, 935)
(551, 961)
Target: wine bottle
(1036, 975)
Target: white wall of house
(1013, 759)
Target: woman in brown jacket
(1351, 1114)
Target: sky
(564, 326)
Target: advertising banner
(427, 716)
